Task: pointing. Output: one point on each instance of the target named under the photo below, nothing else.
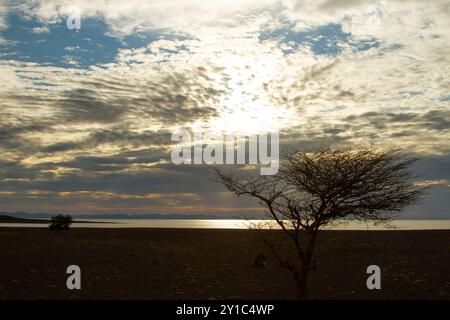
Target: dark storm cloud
(373, 125)
(63, 146)
(115, 163)
(13, 170)
(119, 137)
(97, 164)
(85, 105)
(24, 99)
(147, 156)
(164, 178)
(11, 135)
(438, 119)
(178, 98)
(10, 131)
(114, 173)
(100, 174)
(174, 97)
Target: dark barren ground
(206, 264)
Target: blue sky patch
(327, 39)
(91, 45)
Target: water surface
(233, 224)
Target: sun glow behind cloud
(245, 107)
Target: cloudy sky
(86, 115)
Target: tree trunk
(301, 291)
(301, 282)
(302, 276)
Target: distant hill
(26, 215)
(31, 218)
(10, 219)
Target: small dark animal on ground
(260, 260)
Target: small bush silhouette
(60, 222)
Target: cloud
(92, 120)
(438, 120)
(126, 17)
(120, 137)
(85, 105)
(40, 30)
(177, 97)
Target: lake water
(234, 224)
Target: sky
(86, 115)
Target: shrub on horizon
(60, 223)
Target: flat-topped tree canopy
(318, 187)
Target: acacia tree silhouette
(324, 186)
